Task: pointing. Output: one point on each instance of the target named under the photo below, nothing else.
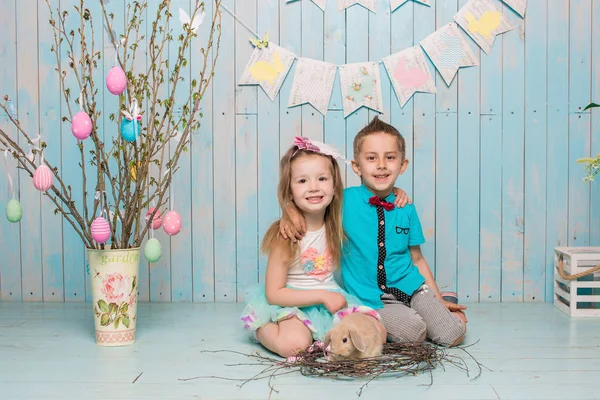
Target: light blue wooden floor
(47, 351)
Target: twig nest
(14, 211)
(172, 223)
(156, 221)
(116, 81)
(100, 230)
(81, 126)
(42, 178)
(152, 250)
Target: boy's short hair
(375, 126)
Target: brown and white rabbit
(356, 336)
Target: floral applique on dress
(317, 265)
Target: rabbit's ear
(357, 340)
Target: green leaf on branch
(112, 308)
(104, 320)
(126, 322)
(124, 308)
(117, 321)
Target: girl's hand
(334, 302)
(292, 225)
(402, 198)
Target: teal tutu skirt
(316, 318)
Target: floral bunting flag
(408, 72)
(361, 86)
(320, 3)
(268, 67)
(448, 51)
(397, 3)
(369, 4)
(483, 21)
(518, 5)
(313, 82)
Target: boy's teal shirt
(359, 256)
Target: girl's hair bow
(304, 143)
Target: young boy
(383, 247)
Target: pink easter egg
(81, 126)
(156, 221)
(100, 230)
(116, 81)
(42, 178)
(172, 223)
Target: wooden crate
(579, 297)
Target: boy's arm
(421, 263)
(292, 224)
(402, 198)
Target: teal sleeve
(415, 236)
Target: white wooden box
(579, 297)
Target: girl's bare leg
(286, 337)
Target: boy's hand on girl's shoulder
(402, 198)
(292, 225)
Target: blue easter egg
(130, 129)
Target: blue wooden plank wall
(492, 157)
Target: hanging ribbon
(152, 223)
(30, 156)
(81, 101)
(100, 197)
(119, 43)
(9, 177)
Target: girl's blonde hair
(333, 212)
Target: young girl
(300, 296)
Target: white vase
(114, 283)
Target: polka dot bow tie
(376, 201)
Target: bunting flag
(368, 4)
(268, 67)
(448, 51)
(518, 5)
(320, 3)
(483, 21)
(361, 86)
(397, 3)
(313, 83)
(408, 72)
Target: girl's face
(312, 183)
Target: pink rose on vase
(116, 287)
(132, 298)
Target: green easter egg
(152, 250)
(14, 211)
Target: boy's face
(379, 163)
